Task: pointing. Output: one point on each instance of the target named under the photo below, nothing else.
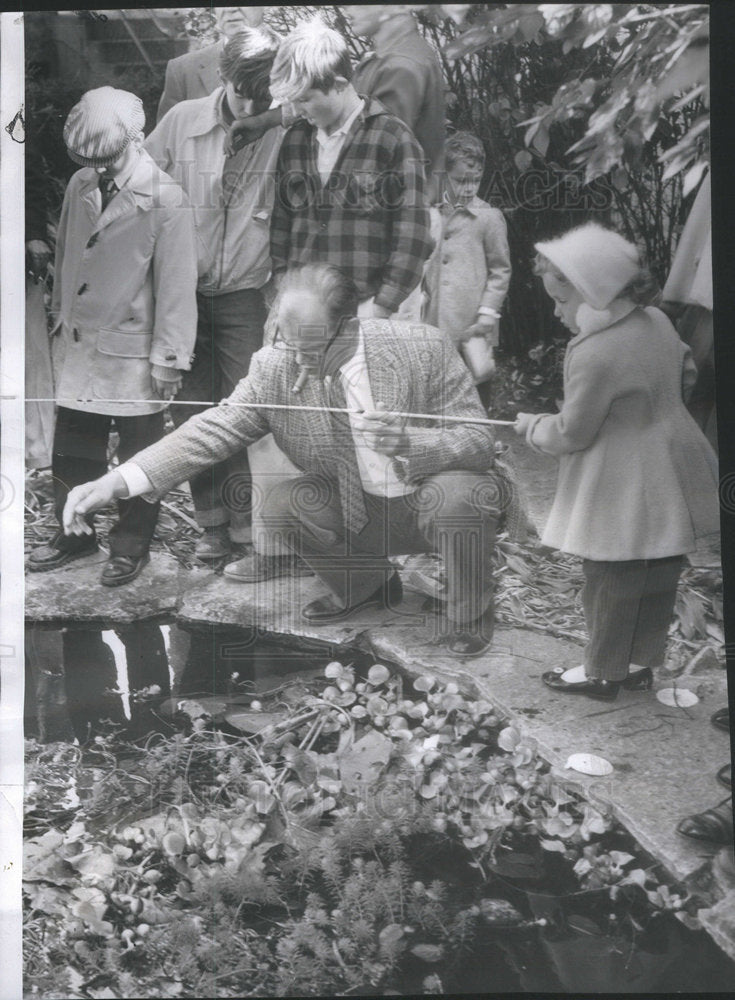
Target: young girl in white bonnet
(637, 478)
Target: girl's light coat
(637, 478)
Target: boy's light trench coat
(124, 290)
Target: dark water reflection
(79, 679)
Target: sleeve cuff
(488, 311)
(135, 479)
(530, 430)
(166, 374)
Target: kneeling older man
(373, 484)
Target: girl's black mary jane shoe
(593, 687)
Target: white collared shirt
(377, 473)
(330, 146)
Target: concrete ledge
(74, 593)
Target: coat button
(82, 289)
(445, 260)
(170, 357)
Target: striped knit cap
(100, 126)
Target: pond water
(76, 678)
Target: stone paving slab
(74, 593)
(273, 606)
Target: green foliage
(586, 111)
(659, 57)
(350, 847)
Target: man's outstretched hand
(88, 497)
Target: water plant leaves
(553, 845)
(360, 765)
(499, 913)
(509, 738)
(378, 674)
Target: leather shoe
(255, 568)
(721, 719)
(61, 550)
(468, 644)
(214, 544)
(325, 609)
(596, 687)
(122, 569)
(714, 825)
(474, 639)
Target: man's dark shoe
(468, 644)
(213, 544)
(122, 569)
(325, 609)
(255, 568)
(61, 550)
(475, 639)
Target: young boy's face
(123, 161)
(320, 109)
(463, 182)
(566, 297)
(241, 107)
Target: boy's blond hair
(311, 56)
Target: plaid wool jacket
(411, 367)
(370, 219)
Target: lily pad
(378, 674)
(359, 766)
(509, 738)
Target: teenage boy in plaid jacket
(350, 191)
(350, 186)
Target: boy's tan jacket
(124, 295)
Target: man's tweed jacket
(411, 367)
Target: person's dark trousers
(80, 454)
(628, 607)
(229, 332)
(453, 513)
